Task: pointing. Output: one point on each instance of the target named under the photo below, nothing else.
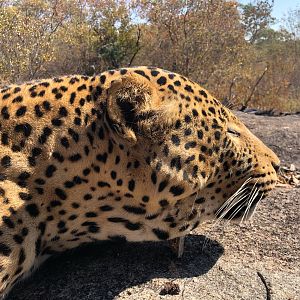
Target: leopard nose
(275, 166)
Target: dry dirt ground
(257, 260)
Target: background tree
(200, 39)
(229, 48)
(27, 30)
(117, 36)
(256, 17)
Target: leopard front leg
(16, 259)
(19, 237)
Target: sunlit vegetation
(231, 49)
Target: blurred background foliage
(229, 48)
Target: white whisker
(234, 196)
(238, 198)
(236, 211)
(252, 196)
(234, 203)
(254, 210)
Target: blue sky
(280, 6)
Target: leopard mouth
(242, 210)
(243, 203)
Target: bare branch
(254, 88)
(138, 47)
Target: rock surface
(256, 260)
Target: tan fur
(138, 154)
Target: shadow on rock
(105, 269)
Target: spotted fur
(134, 154)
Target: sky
(280, 6)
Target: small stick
(177, 245)
(266, 285)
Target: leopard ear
(131, 101)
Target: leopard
(132, 154)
